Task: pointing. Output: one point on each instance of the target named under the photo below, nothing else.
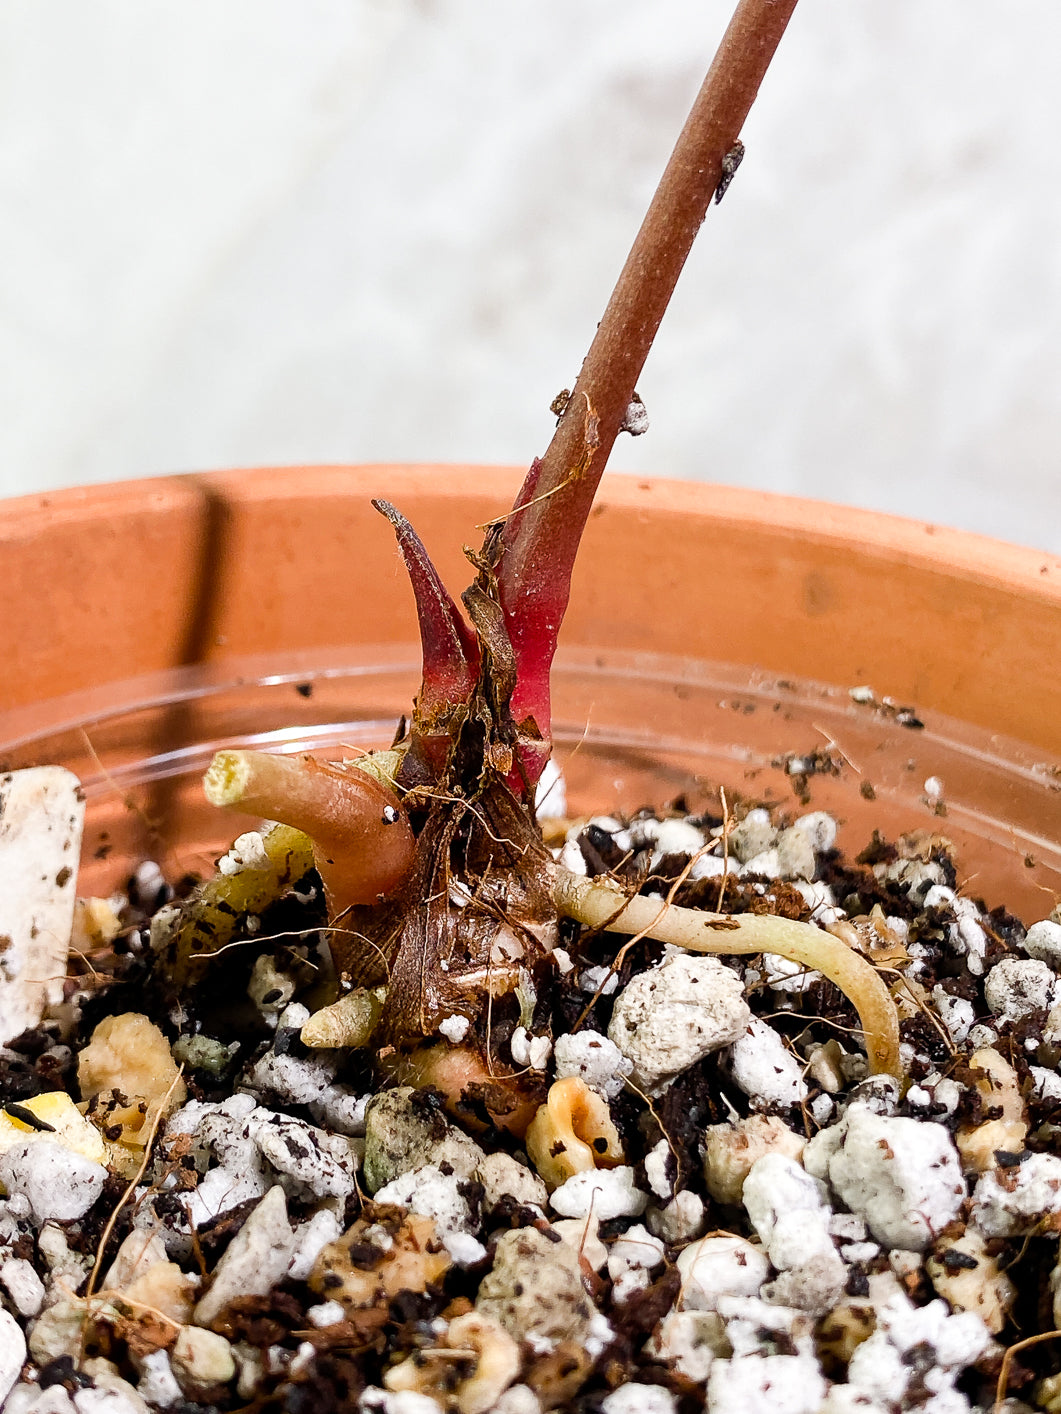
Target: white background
(348, 230)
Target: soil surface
(715, 1206)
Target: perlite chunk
(41, 815)
(902, 1175)
(667, 1019)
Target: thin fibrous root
(598, 903)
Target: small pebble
(201, 1359)
(535, 1290)
(255, 1260)
(23, 1285)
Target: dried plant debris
(709, 1202)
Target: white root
(598, 903)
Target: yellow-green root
(208, 921)
(598, 903)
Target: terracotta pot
(712, 633)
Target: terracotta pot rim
(106, 583)
(893, 537)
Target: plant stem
(600, 904)
(541, 538)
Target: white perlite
(666, 1020)
(307, 1080)
(310, 1239)
(1013, 1202)
(399, 1401)
(668, 837)
(879, 1367)
(902, 1175)
(957, 1014)
(679, 1221)
(689, 1341)
(434, 1194)
(607, 1193)
(1019, 985)
(760, 1065)
(1043, 940)
(752, 836)
(775, 1189)
(41, 815)
(639, 1399)
(755, 1378)
(787, 1208)
(593, 1058)
(454, 1028)
(56, 1182)
(529, 1051)
(248, 852)
(720, 1266)
(820, 829)
(966, 935)
(255, 1148)
(657, 1166)
(314, 1161)
(518, 1399)
(12, 1352)
(795, 853)
(766, 1384)
(158, 1386)
(636, 1250)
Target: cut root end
(227, 778)
(363, 844)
